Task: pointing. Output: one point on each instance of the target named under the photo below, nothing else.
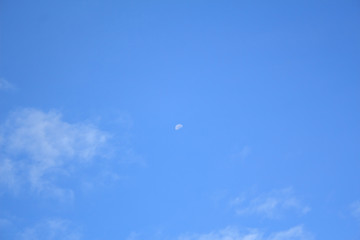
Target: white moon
(178, 126)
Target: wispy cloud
(233, 233)
(8, 174)
(5, 84)
(54, 229)
(133, 236)
(295, 233)
(242, 153)
(355, 209)
(228, 233)
(39, 149)
(4, 223)
(271, 205)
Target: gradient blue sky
(268, 93)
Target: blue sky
(267, 94)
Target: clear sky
(179, 120)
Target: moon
(178, 126)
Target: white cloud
(54, 229)
(5, 84)
(178, 126)
(232, 233)
(39, 149)
(272, 205)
